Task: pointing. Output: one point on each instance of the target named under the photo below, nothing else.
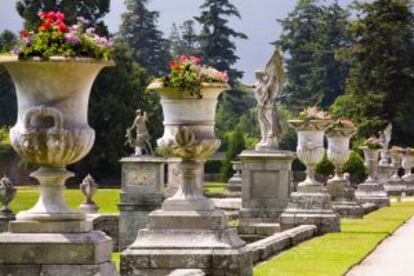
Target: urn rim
(7, 58)
(157, 86)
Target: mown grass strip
(335, 253)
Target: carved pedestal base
(310, 208)
(371, 192)
(343, 199)
(266, 186)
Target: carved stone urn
(7, 194)
(395, 185)
(52, 127)
(311, 204)
(88, 188)
(310, 149)
(407, 163)
(339, 187)
(188, 226)
(371, 191)
(52, 131)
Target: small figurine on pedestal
(141, 141)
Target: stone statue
(268, 87)
(141, 141)
(385, 139)
(7, 194)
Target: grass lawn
(214, 187)
(107, 199)
(335, 253)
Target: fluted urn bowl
(338, 146)
(52, 123)
(188, 120)
(310, 149)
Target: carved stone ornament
(7, 194)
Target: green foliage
(117, 93)
(325, 167)
(184, 40)
(216, 45)
(380, 86)
(312, 33)
(92, 11)
(139, 30)
(235, 146)
(355, 167)
(8, 110)
(212, 166)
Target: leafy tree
(184, 40)
(8, 103)
(216, 45)
(117, 93)
(312, 34)
(139, 30)
(236, 145)
(92, 11)
(380, 87)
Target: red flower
(24, 33)
(62, 27)
(59, 16)
(45, 26)
(183, 58)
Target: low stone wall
(263, 249)
(109, 224)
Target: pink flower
(183, 58)
(196, 60)
(72, 38)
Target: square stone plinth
(83, 254)
(372, 193)
(306, 208)
(187, 240)
(266, 185)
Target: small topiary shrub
(355, 167)
(325, 167)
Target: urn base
(187, 240)
(372, 193)
(348, 209)
(85, 254)
(310, 208)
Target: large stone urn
(311, 204)
(371, 191)
(52, 131)
(395, 185)
(188, 231)
(407, 163)
(339, 187)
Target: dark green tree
(184, 40)
(140, 31)
(92, 11)
(380, 87)
(8, 110)
(235, 147)
(312, 33)
(216, 45)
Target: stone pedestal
(235, 182)
(188, 232)
(372, 192)
(142, 193)
(266, 185)
(343, 199)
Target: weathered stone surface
(55, 249)
(307, 208)
(264, 248)
(21, 226)
(266, 185)
(4, 224)
(103, 269)
(369, 207)
(348, 209)
(260, 230)
(371, 192)
(343, 199)
(109, 224)
(235, 182)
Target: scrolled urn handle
(30, 134)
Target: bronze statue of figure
(141, 141)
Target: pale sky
(258, 22)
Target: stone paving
(392, 257)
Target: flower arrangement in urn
(188, 74)
(372, 143)
(312, 118)
(55, 38)
(341, 127)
